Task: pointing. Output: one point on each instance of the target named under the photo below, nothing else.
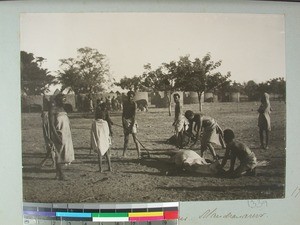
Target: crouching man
(236, 149)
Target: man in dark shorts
(129, 122)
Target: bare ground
(152, 179)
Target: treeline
(89, 72)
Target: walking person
(129, 122)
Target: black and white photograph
(152, 107)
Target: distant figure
(100, 138)
(49, 145)
(108, 103)
(98, 103)
(101, 100)
(61, 135)
(264, 120)
(91, 104)
(114, 103)
(212, 133)
(129, 122)
(119, 101)
(238, 150)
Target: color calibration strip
(128, 213)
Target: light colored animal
(191, 161)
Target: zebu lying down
(191, 161)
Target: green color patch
(110, 214)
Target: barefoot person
(61, 135)
(212, 133)
(106, 116)
(129, 122)
(49, 145)
(264, 120)
(100, 138)
(180, 122)
(238, 150)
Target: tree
(161, 79)
(277, 86)
(87, 73)
(35, 80)
(132, 84)
(200, 76)
(251, 90)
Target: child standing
(100, 138)
(238, 150)
(264, 120)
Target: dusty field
(146, 180)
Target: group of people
(112, 104)
(58, 138)
(208, 130)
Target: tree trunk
(199, 100)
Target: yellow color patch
(145, 214)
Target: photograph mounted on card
(152, 107)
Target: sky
(251, 46)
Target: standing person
(100, 138)
(212, 133)
(179, 122)
(108, 103)
(238, 150)
(98, 103)
(103, 109)
(113, 104)
(264, 120)
(91, 104)
(61, 135)
(129, 122)
(49, 145)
